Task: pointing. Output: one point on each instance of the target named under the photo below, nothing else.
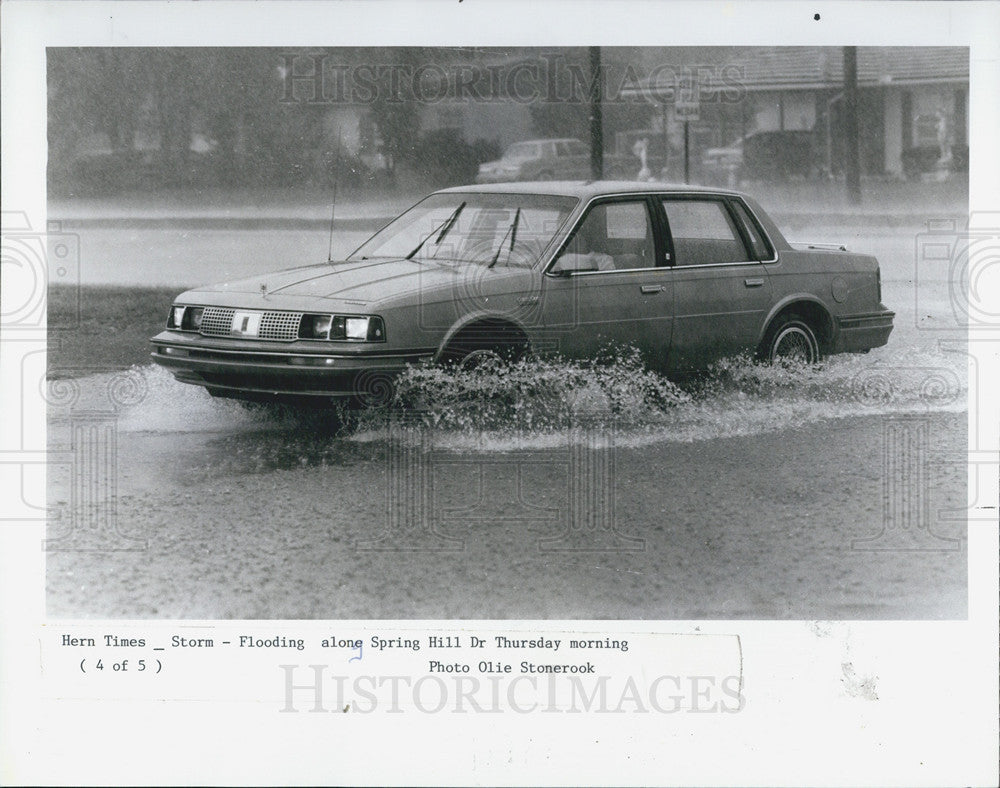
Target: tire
(482, 357)
(790, 338)
(474, 352)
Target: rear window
(760, 248)
(703, 233)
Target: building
(912, 102)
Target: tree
(394, 110)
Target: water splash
(532, 404)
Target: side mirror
(573, 263)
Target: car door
(721, 290)
(605, 287)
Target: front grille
(280, 325)
(217, 321)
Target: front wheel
(792, 339)
(467, 356)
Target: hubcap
(793, 344)
(483, 357)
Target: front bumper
(246, 368)
(857, 333)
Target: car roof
(585, 189)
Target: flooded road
(758, 493)
(751, 502)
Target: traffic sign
(687, 111)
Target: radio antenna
(333, 202)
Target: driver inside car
(584, 252)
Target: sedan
(474, 273)
(544, 160)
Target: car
(544, 160)
(474, 274)
(765, 155)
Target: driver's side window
(612, 237)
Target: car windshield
(465, 227)
(521, 151)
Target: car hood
(357, 283)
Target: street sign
(687, 111)
(687, 104)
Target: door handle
(652, 288)
(753, 282)
(528, 300)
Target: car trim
(541, 255)
(862, 320)
(287, 354)
(195, 379)
(795, 298)
(727, 201)
(615, 271)
(659, 244)
(666, 241)
(716, 265)
(759, 226)
(301, 313)
(194, 362)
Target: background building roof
(792, 67)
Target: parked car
(687, 275)
(764, 154)
(927, 158)
(543, 160)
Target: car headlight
(315, 326)
(192, 318)
(342, 327)
(185, 318)
(176, 317)
(356, 327)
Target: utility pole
(596, 116)
(852, 132)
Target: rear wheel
(790, 338)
